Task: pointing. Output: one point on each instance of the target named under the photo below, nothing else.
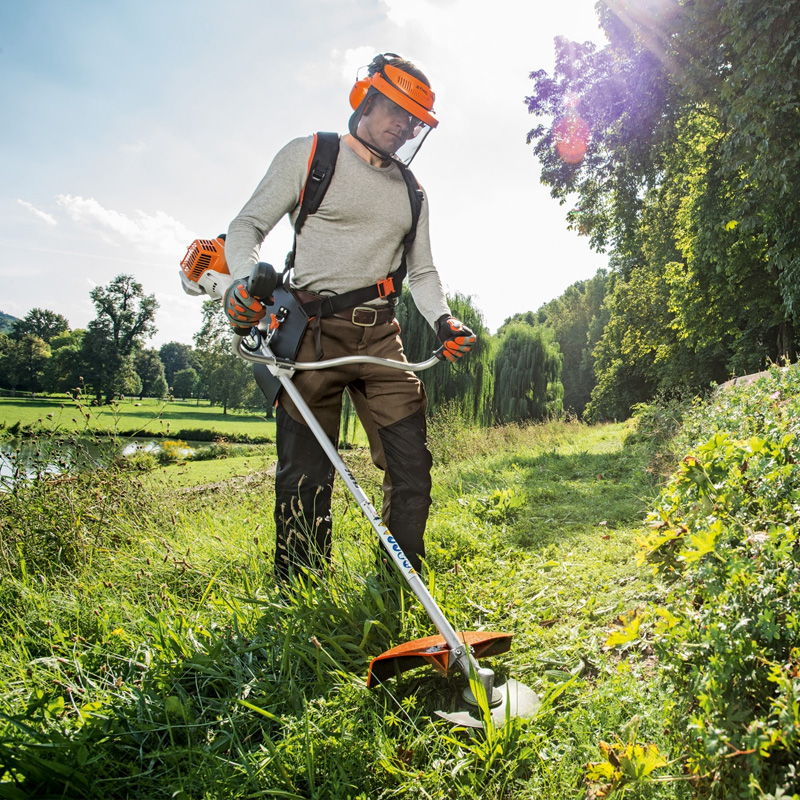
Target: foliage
(527, 375)
(467, 383)
(177, 356)
(228, 380)
(23, 361)
(124, 318)
(185, 383)
(6, 322)
(40, 322)
(724, 533)
(577, 319)
(150, 369)
(689, 179)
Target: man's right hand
(241, 308)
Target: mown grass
(146, 652)
(146, 417)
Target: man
(358, 237)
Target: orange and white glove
(457, 339)
(241, 308)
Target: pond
(59, 455)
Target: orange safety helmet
(404, 89)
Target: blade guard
(434, 650)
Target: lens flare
(571, 135)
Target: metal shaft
(459, 651)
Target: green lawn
(147, 417)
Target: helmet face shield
(385, 126)
(393, 111)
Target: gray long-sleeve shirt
(353, 240)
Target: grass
(147, 417)
(146, 652)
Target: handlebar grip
(263, 280)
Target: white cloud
(150, 233)
(43, 215)
(353, 59)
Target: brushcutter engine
(205, 271)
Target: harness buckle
(358, 316)
(385, 287)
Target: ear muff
(361, 87)
(359, 92)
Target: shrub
(724, 534)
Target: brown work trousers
(391, 406)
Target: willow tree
(527, 371)
(465, 384)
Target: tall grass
(147, 652)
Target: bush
(725, 536)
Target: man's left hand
(456, 337)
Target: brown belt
(365, 316)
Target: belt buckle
(373, 311)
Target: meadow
(147, 653)
(186, 419)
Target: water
(62, 455)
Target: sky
(128, 128)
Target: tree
(690, 172)
(150, 368)
(9, 363)
(527, 382)
(160, 389)
(128, 382)
(32, 354)
(577, 319)
(177, 356)
(185, 383)
(42, 323)
(64, 369)
(125, 317)
(228, 380)
(467, 383)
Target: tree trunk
(786, 350)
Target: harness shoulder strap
(321, 166)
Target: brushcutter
(448, 652)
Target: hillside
(6, 321)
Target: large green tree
(125, 318)
(64, 369)
(577, 319)
(177, 356)
(40, 322)
(683, 164)
(465, 384)
(227, 379)
(150, 369)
